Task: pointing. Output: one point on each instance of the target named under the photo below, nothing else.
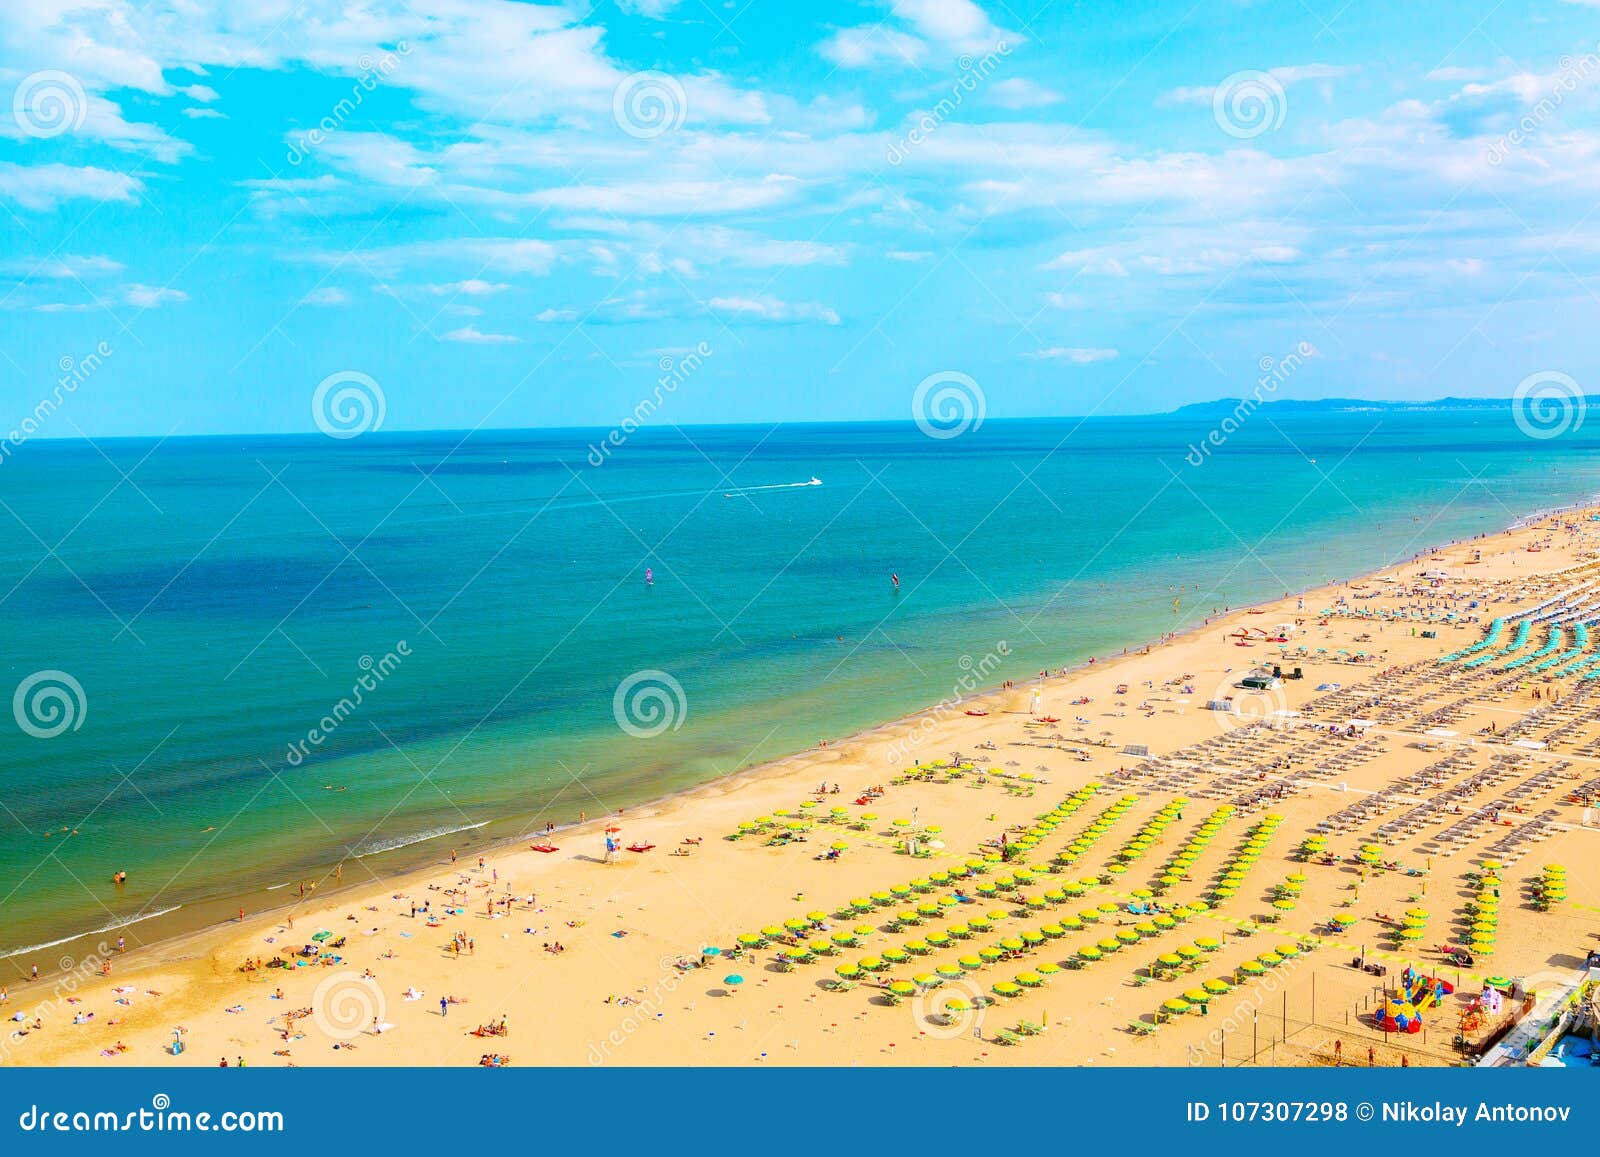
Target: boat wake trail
(741, 491)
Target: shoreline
(666, 906)
(218, 912)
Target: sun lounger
(1030, 1027)
(1006, 1036)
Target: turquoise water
(216, 598)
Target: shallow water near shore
(463, 612)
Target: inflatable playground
(1402, 1010)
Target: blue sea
(235, 662)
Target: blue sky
(511, 214)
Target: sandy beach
(588, 958)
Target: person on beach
(444, 1006)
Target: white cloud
(1077, 355)
(867, 46)
(472, 336)
(651, 9)
(1285, 75)
(1275, 254)
(647, 198)
(151, 296)
(1021, 93)
(326, 295)
(770, 309)
(197, 114)
(471, 287)
(43, 187)
(929, 30)
(506, 255)
(66, 265)
(550, 315)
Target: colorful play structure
(1402, 1010)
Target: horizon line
(13, 438)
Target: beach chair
(1142, 1027)
(1030, 1028)
(1006, 1036)
(843, 985)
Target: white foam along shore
(114, 926)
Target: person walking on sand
(444, 1006)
